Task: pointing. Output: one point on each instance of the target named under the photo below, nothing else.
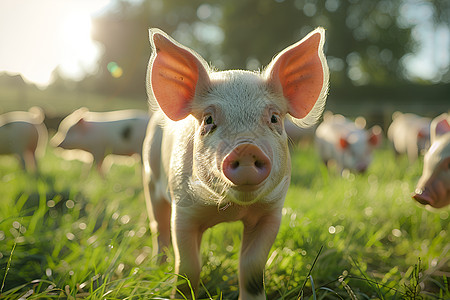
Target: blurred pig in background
(119, 132)
(409, 134)
(345, 143)
(433, 187)
(24, 134)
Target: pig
(409, 134)
(298, 135)
(433, 187)
(216, 149)
(24, 134)
(118, 132)
(346, 143)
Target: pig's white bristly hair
(309, 120)
(315, 113)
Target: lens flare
(115, 70)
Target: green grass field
(69, 234)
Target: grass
(68, 234)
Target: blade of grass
(331, 291)
(313, 288)
(300, 294)
(8, 266)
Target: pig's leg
(21, 158)
(30, 161)
(186, 243)
(156, 198)
(98, 162)
(159, 212)
(258, 238)
(412, 150)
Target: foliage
(68, 233)
(366, 40)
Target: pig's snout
(422, 196)
(246, 166)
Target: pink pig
(216, 149)
(409, 134)
(118, 132)
(24, 134)
(346, 143)
(433, 187)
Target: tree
(364, 42)
(366, 39)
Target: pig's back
(123, 136)
(117, 115)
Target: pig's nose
(246, 166)
(422, 196)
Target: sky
(36, 37)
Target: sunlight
(80, 52)
(38, 37)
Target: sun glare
(46, 35)
(80, 52)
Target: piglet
(24, 134)
(433, 187)
(119, 132)
(409, 134)
(346, 143)
(216, 149)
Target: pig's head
(433, 187)
(72, 131)
(240, 151)
(357, 148)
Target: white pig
(409, 134)
(119, 132)
(348, 145)
(24, 134)
(433, 187)
(216, 149)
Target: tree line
(366, 40)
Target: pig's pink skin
(246, 166)
(409, 134)
(102, 133)
(433, 187)
(205, 122)
(341, 141)
(25, 135)
(436, 190)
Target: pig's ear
(300, 73)
(375, 136)
(174, 75)
(439, 126)
(442, 127)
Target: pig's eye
(208, 124)
(209, 120)
(275, 122)
(274, 119)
